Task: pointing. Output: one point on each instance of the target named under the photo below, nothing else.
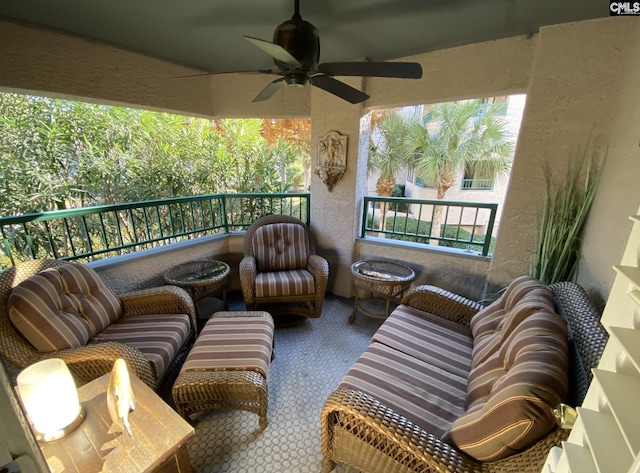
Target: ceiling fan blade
(275, 51)
(258, 71)
(400, 70)
(269, 90)
(338, 88)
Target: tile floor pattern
(311, 360)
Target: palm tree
(388, 153)
(455, 136)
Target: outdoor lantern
(50, 399)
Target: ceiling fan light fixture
(295, 80)
(295, 51)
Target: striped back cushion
(62, 307)
(511, 394)
(281, 247)
(493, 324)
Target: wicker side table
(199, 279)
(385, 280)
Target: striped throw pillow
(62, 307)
(511, 395)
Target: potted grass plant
(564, 216)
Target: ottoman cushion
(233, 343)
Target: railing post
(365, 213)
(487, 238)
(223, 210)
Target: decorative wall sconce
(50, 399)
(332, 158)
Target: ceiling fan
(296, 52)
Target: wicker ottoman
(227, 366)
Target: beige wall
(619, 194)
(574, 88)
(577, 76)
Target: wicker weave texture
(308, 305)
(359, 431)
(196, 391)
(91, 361)
(198, 288)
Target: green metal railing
(89, 233)
(463, 225)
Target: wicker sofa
(57, 309)
(450, 386)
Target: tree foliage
(58, 154)
(454, 135)
(388, 149)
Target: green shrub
(398, 191)
(414, 231)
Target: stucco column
(335, 215)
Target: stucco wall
(146, 268)
(452, 269)
(575, 81)
(618, 196)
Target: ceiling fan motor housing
(300, 39)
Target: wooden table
(158, 444)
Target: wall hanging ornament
(332, 158)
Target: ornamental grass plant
(564, 216)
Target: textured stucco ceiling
(207, 34)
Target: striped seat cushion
(424, 394)
(233, 343)
(429, 338)
(62, 307)
(280, 247)
(285, 283)
(511, 395)
(159, 337)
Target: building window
(422, 183)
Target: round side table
(385, 280)
(199, 279)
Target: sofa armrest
(442, 303)
(391, 437)
(92, 361)
(159, 300)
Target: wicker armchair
(359, 431)
(93, 360)
(280, 270)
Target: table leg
(388, 309)
(352, 317)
